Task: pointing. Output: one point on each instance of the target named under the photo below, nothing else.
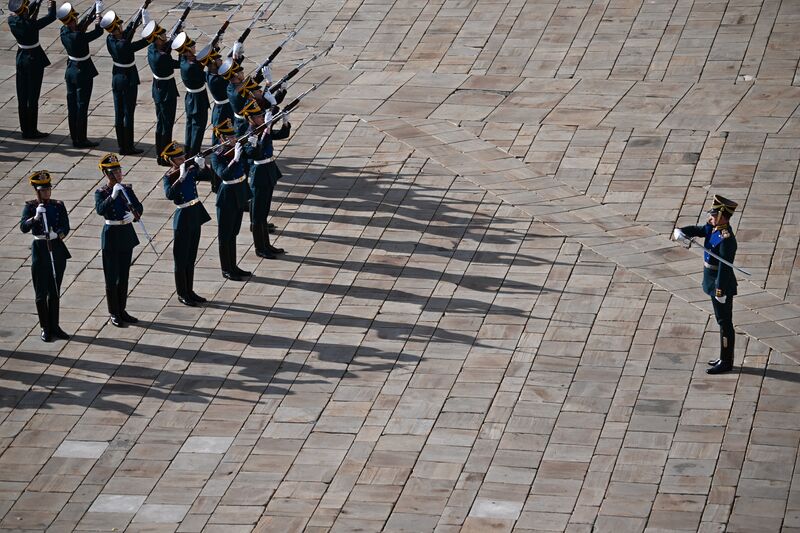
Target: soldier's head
(67, 15)
(174, 153)
(111, 23)
(253, 113)
(209, 57)
(721, 210)
(224, 130)
(42, 184)
(231, 71)
(184, 45)
(19, 7)
(153, 33)
(110, 167)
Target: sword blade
(721, 260)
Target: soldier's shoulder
(59, 203)
(32, 203)
(725, 234)
(103, 189)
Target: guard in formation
(80, 72)
(124, 75)
(195, 103)
(232, 199)
(165, 90)
(48, 221)
(31, 61)
(217, 86)
(180, 186)
(118, 205)
(719, 281)
(264, 173)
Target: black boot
(55, 329)
(81, 129)
(33, 118)
(259, 241)
(121, 142)
(181, 288)
(232, 254)
(727, 338)
(113, 307)
(190, 286)
(130, 148)
(24, 121)
(225, 262)
(44, 320)
(269, 247)
(122, 298)
(73, 131)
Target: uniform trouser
(229, 223)
(724, 315)
(184, 253)
(46, 290)
(78, 96)
(195, 131)
(165, 119)
(29, 86)
(116, 269)
(124, 107)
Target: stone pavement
(480, 324)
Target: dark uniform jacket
(238, 99)
(218, 86)
(162, 65)
(181, 193)
(26, 32)
(58, 222)
(721, 241)
(267, 174)
(116, 237)
(122, 51)
(76, 43)
(194, 77)
(230, 196)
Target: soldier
(80, 71)
(125, 76)
(264, 174)
(165, 90)
(31, 61)
(217, 86)
(118, 205)
(180, 186)
(232, 199)
(195, 103)
(719, 281)
(47, 219)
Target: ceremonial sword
(50, 251)
(141, 223)
(690, 240)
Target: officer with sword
(719, 282)
(47, 220)
(118, 205)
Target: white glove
(721, 299)
(128, 217)
(116, 190)
(267, 73)
(267, 118)
(253, 140)
(286, 119)
(237, 152)
(52, 235)
(145, 17)
(98, 6)
(40, 210)
(268, 96)
(677, 234)
(238, 50)
(182, 175)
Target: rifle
(259, 77)
(246, 32)
(34, 9)
(292, 73)
(240, 140)
(218, 36)
(87, 17)
(176, 28)
(138, 18)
